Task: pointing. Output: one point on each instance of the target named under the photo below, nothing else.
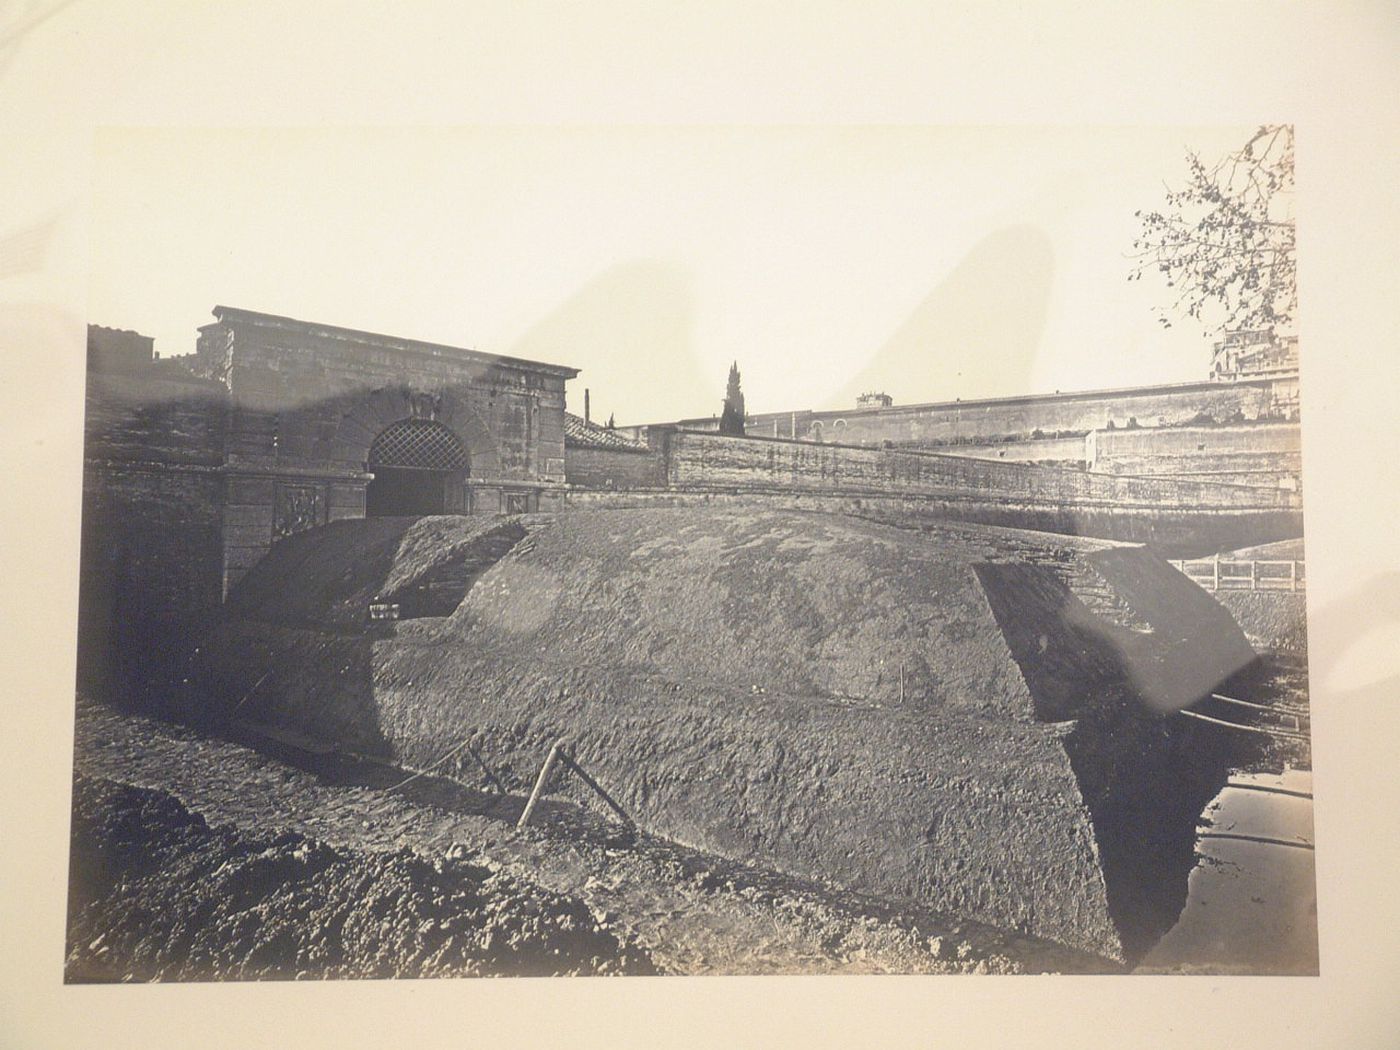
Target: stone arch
(418, 444)
(472, 429)
(815, 431)
(371, 412)
(419, 466)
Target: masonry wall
(118, 350)
(304, 389)
(1257, 453)
(307, 402)
(153, 415)
(712, 459)
(1180, 533)
(1063, 451)
(1179, 518)
(962, 421)
(610, 468)
(151, 529)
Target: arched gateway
(318, 423)
(420, 467)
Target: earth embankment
(826, 696)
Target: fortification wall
(118, 350)
(1180, 518)
(153, 416)
(152, 493)
(1175, 534)
(1266, 454)
(307, 402)
(1263, 472)
(613, 468)
(949, 422)
(306, 398)
(1255, 438)
(694, 458)
(1064, 451)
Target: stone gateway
(195, 466)
(327, 423)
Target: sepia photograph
(632, 525)
(698, 551)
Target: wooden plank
(540, 782)
(1282, 733)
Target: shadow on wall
(149, 574)
(960, 318)
(1153, 644)
(634, 327)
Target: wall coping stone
(233, 315)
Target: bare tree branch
(1225, 241)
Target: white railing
(1217, 574)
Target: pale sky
(931, 263)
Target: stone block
(249, 535)
(248, 490)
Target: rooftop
(233, 315)
(581, 434)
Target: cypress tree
(731, 420)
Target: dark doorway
(402, 491)
(419, 467)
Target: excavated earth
(198, 858)
(961, 718)
(159, 895)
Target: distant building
(874, 400)
(118, 350)
(1254, 354)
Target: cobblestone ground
(691, 912)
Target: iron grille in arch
(421, 444)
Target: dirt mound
(156, 894)
(339, 569)
(799, 604)
(691, 912)
(823, 695)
